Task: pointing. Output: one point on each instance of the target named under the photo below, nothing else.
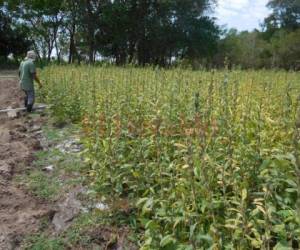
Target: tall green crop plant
(297, 154)
(205, 159)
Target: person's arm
(35, 77)
(34, 74)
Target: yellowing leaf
(244, 194)
(185, 166)
(178, 145)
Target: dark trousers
(29, 99)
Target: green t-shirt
(27, 70)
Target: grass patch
(69, 163)
(66, 166)
(74, 236)
(51, 134)
(42, 186)
(90, 229)
(43, 242)
(48, 185)
(49, 157)
(56, 135)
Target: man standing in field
(27, 74)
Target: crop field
(205, 159)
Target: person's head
(31, 55)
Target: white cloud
(241, 14)
(232, 4)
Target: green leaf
(151, 225)
(141, 201)
(282, 246)
(192, 229)
(148, 205)
(204, 237)
(177, 221)
(291, 190)
(291, 183)
(167, 240)
(197, 172)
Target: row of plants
(206, 159)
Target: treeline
(131, 31)
(253, 50)
(142, 32)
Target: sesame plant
(206, 159)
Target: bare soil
(20, 212)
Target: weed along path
(20, 212)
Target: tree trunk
(90, 29)
(57, 51)
(91, 51)
(49, 53)
(72, 44)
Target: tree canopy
(278, 45)
(13, 38)
(144, 32)
(285, 14)
(132, 31)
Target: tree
(286, 49)
(13, 38)
(90, 13)
(245, 49)
(43, 20)
(131, 31)
(286, 14)
(71, 24)
(154, 31)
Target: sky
(241, 14)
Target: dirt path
(20, 213)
